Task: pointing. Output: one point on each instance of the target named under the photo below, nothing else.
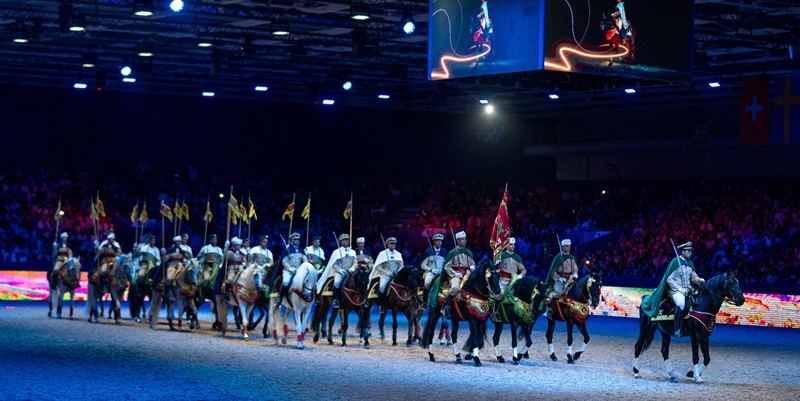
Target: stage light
(221, 196)
(60, 212)
(143, 8)
(129, 80)
(204, 44)
(145, 54)
(89, 61)
(347, 85)
(630, 90)
(714, 84)
(328, 102)
(384, 97)
(78, 22)
(489, 109)
(20, 39)
(79, 85)
(553, 96)
(603, 192)
(208, 94)
(484, 101)
(125, 71)
(408, 25)
(176, 5)
(359, 13)
(280, 28)
(261, 88)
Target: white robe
(335, 255)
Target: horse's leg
(699, 368)
(514, 341)
(582, 328)
(71, 302)
(345, 314)
(410, 318)
(155, 306)
(331, 321)
(455, 341)
(665, 340)
(498, 330)
(477, 333)
(170, 310)
(222, 314)
(275, 317)
(115, 303)
(193, 308)
(90, 300)
(696, 357)
(299, 321)
(243, 312)
(394, 327)
(381, 320)
(551, 326)
(59, 301)
(527, 329)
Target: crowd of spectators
(752, 226)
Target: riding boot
(381, 302)
(446, 306)
(337, 295)
(284, 293)
(423, 303)
(678, 322)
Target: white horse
(301, 296)
(186, 283)
(163, 288)
(244, 292)
(66, 277)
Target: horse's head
(360, 280)
(594, 282)
(485, 278)
(415, 278)
(74, 266)
(727, 286)
(191, 272)
(530, 289)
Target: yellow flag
(288, 212)
(101, 209)
(243, 214)
(234, 216)
(177, 210)
(143, 216)
(208, 216)
(252, 214)
(165, 211)
(348, 209)
(135, 213)
(185, 210)
(306, 210)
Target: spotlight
(384, 97)
(204, 44)
(408, 25)
(145, 54)
(489, 109)
(553, 96)
(125, 71)
(630, 90)
(89, 61)
(347, 85)
(484, 101)
(261, 88)
(328, 102)
(79, 85)
(221, 196)
(20, 39)
(359, 13)
(176, 5)
(208, 94)
(714, 84)
(143, 8)
(129, 80)
(280, 29)
(78, 22)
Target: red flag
(501, 232)
(754, 111)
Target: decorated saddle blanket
(402, 292)
(476, 305)
(578, 310)
(353, 296)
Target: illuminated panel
(32, 286)
(771, 310)
(468, 38)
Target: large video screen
(481, 37)
(636, 39)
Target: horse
(301, 296)
(573, 309)
(402, 297)
(354, 298)
(96, 287)
(243, 294)
(186, 283)
(471, 304)
(700, 322)
(161, 277)
(65, 278)
(520, 309)
(262, 305)
(116, 282)
(138, 289)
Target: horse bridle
(724, 299)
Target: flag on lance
(754, 111)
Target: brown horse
(402, 297)
(354, 298)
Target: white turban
(236, 241)
(64, 235)
(565, 242)
(461, 234)
(512, 241)
(177, 239)
(360, 239)
(111, 236)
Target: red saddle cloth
(353, 296)
(708, 320)
(402, 292)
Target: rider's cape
(558, 261)
(335, 256)
(651, 303)
(433, 295)
(385, 257)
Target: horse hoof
(478, 362)
(394, 343)
(570, 360)
(516, 362)
(553, 357)
(442, 342)
(58, 317)
(283, 340)
(246, 337)
(636, 376)
(525, 355)
(468, 357)
(330, 342)
(115, 322)
(344, 345)
(137, 320)
(698, 380)
(690, 373)
(673, 379)
(50, 314)
(458, 359)
(431, 357)
(501, 359)
(577, 355)
(300, 345)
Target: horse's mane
(479, 272)
(712, 285)
(305, 271)
(525, 286)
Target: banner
(786, 110)
(754, 111)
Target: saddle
(372, 293)
(401, 291)
(353, 296)
(578, 310)
(666, 310)
(521, 307)
(327, 288)
(476, 305)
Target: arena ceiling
(325, 47)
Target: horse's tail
(524, 329)
(646, 334)
(467, 347)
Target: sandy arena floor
(45, 358)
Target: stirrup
(335, 304)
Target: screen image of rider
(482, 37)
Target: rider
(336, 268)
(620, 20)
(63, 253)
(315, 254)
(429, 265)
(210, 257)
(288, 270)
(185, 248)
(261, 256)
(457, 266)
(679, 277)
(107, 251)
(234, 261)
(148, 256)
(562, 276)
(386, 270)
(173, 258)
(511, 268)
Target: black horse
(354, 298)
(520, 309)
(699, 325)
(470, 305)
(573, 309)
(402, 297)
